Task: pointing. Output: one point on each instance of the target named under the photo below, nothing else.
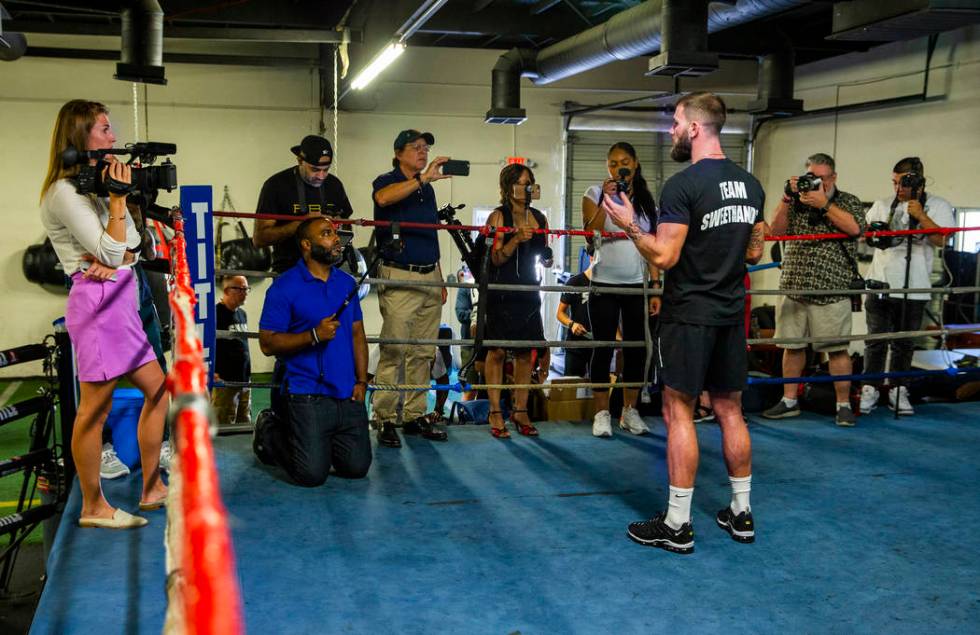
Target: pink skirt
(104, 326)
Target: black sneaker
(387, 435)
(265, 419)
(656, 533)
(740, 528)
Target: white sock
(741, 487)
(679, 506)
(790, 403)
(843, 404)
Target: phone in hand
(452, 167)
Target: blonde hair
(72, 128)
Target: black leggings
(605, 312)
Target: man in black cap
(405, 195)
(306, 188)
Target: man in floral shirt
(817, 265)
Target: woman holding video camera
(619, 264)
(97, 243)
(515, 315)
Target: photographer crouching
(812, 204)
(902, 262)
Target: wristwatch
(418, 177)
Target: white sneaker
(632, 421)
(111, 467)
(166, 456)
(869, 399)
(904, 407)
(602, 424)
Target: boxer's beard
(681, 152)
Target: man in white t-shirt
(910, 208)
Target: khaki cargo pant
(408, 313)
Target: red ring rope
(211, 597)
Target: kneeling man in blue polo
(325, 424)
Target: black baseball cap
(407, 136)
(313, 148)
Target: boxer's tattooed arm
(753, 253)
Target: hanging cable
(336, 135)
(136, 113)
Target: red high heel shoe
(498, 433)
(528, 429)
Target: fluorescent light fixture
(380, 62)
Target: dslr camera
(913, 181)
(147, 179)
(805, 183)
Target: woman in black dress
(515, 315)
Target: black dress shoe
(387, 435)
(423, 426)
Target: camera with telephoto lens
(147, 179)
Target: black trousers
(884, 315)
(605, 311)
(316, 433)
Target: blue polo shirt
(421, 245)
(295, 303)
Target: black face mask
(681, 152)
(325, 256)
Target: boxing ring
(480, 536)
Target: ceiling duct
(873, 21)
(12, 45)
(776, 77)
(505, 89)
(626, 35)
(684, 41)
(141, 59)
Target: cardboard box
(570, 410)
(557, 393)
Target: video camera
(147, 179)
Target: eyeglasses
(242, 289)
(317, 167)
(418, 147)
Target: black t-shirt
(720, 203)
(578, 306)
(286, 193)
(232, 361)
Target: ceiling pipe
(626, 35)
(141, 57)
(776, 83)
(12, 45)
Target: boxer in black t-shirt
(306, 188)
(710, 225)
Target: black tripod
(919, 194)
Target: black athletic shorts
(694, 357)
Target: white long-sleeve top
(76, 224)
